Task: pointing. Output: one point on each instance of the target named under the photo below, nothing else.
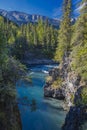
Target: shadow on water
(26, 102)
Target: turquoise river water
(37, 112)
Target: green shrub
(84, 96)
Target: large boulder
(49, 91)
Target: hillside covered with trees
(29, 37)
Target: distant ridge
(23, 18)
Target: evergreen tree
(11, 39)
(64, 32)
(48, 38)
(40, 31)
(35, 36)
(79, 44)
(10, 69)
(3, 45)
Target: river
(37, 112)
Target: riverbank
(66, 85)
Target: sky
(50, 8)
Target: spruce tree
(40, 31)
(3, 46)
(64, 32)
(79, 44)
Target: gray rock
(75, 118)
(54, 93)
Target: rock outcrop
(50, 91)
(68, 90)
(75, 118)
(9, 116)
(54, 93)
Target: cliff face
(70, 82)
(9, 116)
(49, 89)
(75, 118)
(69, 89)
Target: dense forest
(29, 37)
(67, 45)
(15, 41)
(72, 44)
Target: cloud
(76, 4)
(57, 13)
(77, 10)
(81, 6)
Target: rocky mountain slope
(22, 18)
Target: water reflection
(33, 105)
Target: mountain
(23, 18)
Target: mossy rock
(81, 96)
(84, 96)
(49, 78)
(57, 83)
